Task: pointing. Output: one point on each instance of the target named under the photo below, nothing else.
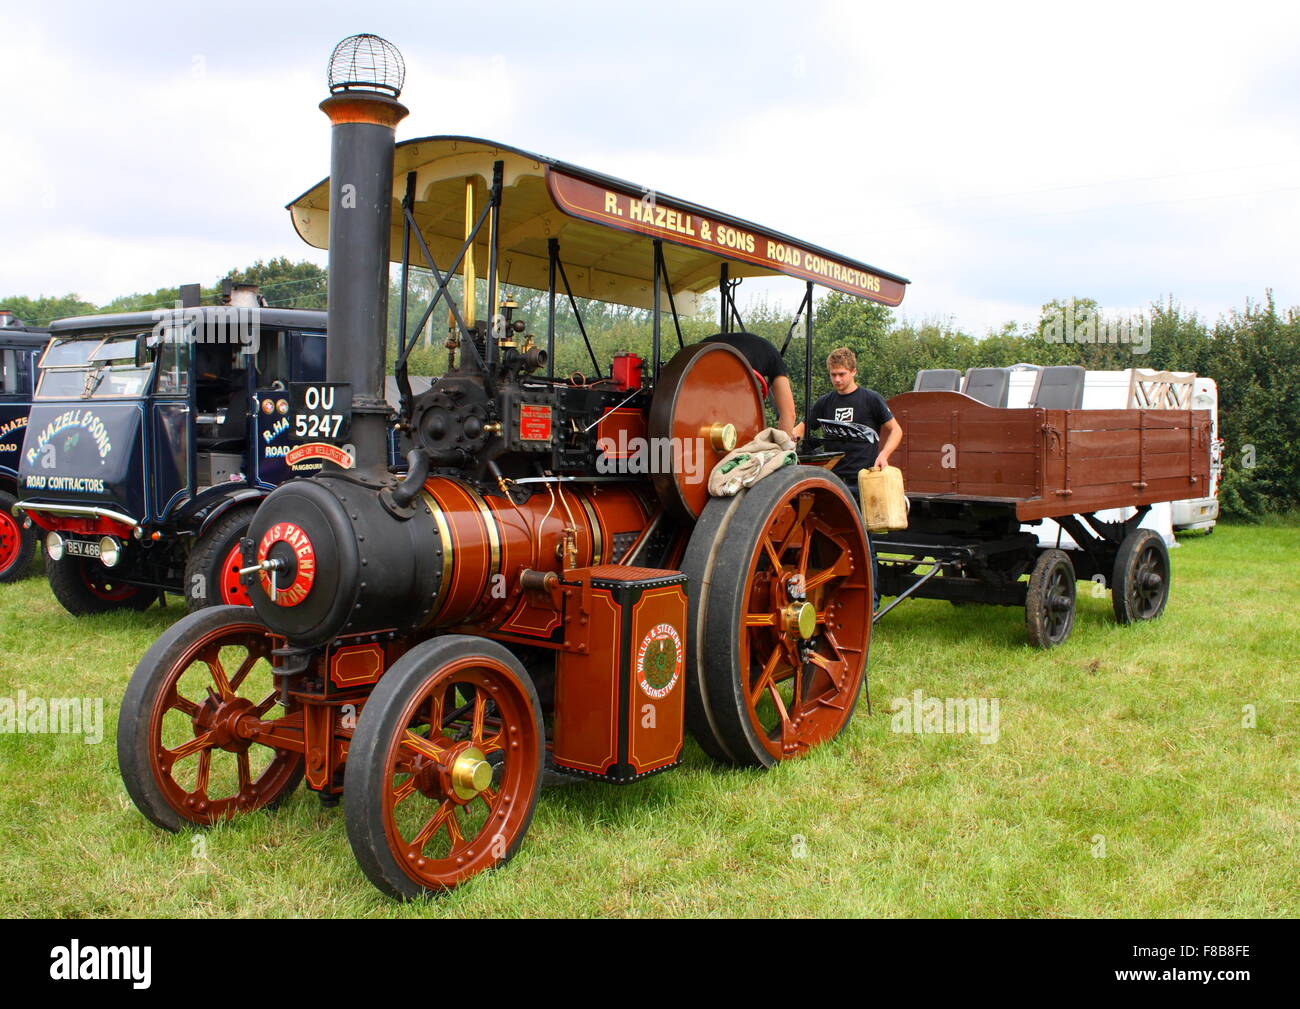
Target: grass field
(1126, 780)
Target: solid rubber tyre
(153, 693)
(387, 744)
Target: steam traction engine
(424, 644)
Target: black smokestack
(365, 77)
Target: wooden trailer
(975, 473)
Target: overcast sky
(998, 155)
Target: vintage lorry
(20, 348)
(152, 438)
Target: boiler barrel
(346, 565)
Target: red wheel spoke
(773, 555)
(445, 811)
(267, 703)
(245, 774)
(802, 507)
(760, 619)
(219, 676)
(205, 769)
(480, 712)
(244, 669)
(453, 826)
(405, 790)
(203, 741)
(765, 678)
(491, 744)
(415, 743)
(183, 704)
(841, 567)
(780, 708)
(834, 642)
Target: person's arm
(893, 432)
(783, 397)
(801, 428)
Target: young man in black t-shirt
(766, 361)
(850, 402)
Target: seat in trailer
(937, 380)
(1059, 387)
(988, 385)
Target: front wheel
(1049, 603)
(17, 545)
(185, 736)
(84, 587)
(212, 572)
(445, 766)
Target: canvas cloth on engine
(746, 464)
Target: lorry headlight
(54, 546)
(110, 551)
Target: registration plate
(81, 548)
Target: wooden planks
(1053, 462)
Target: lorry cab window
(9, 369)
(173, 354)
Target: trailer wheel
(1049, 604)
(1140, 583)
(84, 587)
(212, 572)
(445, 766)
(182, 737)
(17, 545)
(787, 620)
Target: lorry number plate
(81, 548)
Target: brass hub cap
(722, 437)
(470, 773)
(800, 619)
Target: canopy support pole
(494, 235)
(658, 259)
(808, 355)
(564, 279)
(403, 382)
(553, 256)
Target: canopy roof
(602, 223)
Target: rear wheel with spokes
(445, 766)
(787, 618)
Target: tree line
(1253, 353)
